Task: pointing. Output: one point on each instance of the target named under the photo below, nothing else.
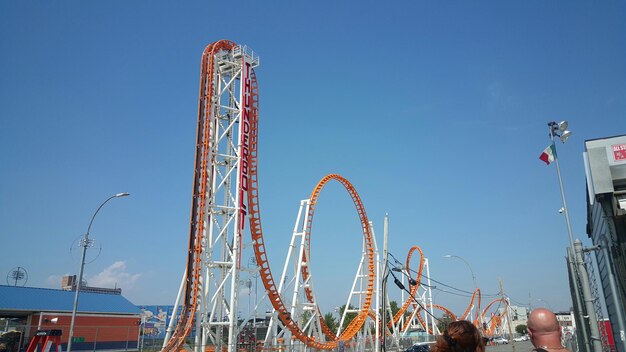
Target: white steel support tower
(429, 297)
(292, 287)
(424, 297)
(225, 218)
(356, 297)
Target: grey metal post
(588, 298)
(619, 336)
(85, 244)
(581, 335)
(383, 310)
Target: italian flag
(548, 154)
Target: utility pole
(596, 344)
(383, 309)
(508, 314)
(579, 311)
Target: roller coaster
(225, 196)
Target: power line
(401, 286)
(439, 282)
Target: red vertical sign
(244, 147)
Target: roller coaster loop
(356, 324)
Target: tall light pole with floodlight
(85, 242)
(560, 130)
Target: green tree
(521, 329)
(306, 315)
(394, 307)
(443, 322)
(331, 322)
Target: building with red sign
(104, 321)
(605, 167)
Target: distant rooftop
(31, 299)
(68, 283)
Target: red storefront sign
(619, 151)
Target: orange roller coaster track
(495, 319)
(475, 296)
(414, 288)
(356, 324)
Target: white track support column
(429, 298)
(378, 295)
(293, 290)
(296, 311)
(170, 326)
(395, 340)
(356, 294)
(374, 341)
(358, 291)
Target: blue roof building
(104, 321)
(26, 300)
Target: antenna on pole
(507, 306)
(16, 275)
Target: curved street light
(544, 301)
(473, 278)
(85, 242)
(466, 263)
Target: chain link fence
(86, 338)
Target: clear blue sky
(436, 112)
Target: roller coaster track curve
(414, 288)
(496, 319)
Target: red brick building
(104, 321)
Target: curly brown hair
(460, 336)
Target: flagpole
(594, 344)
(558, 172)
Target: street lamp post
(466, 263)
(85, 242)
(544, 301)
(473, 279)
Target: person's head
(460, 336)
(543, 328)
